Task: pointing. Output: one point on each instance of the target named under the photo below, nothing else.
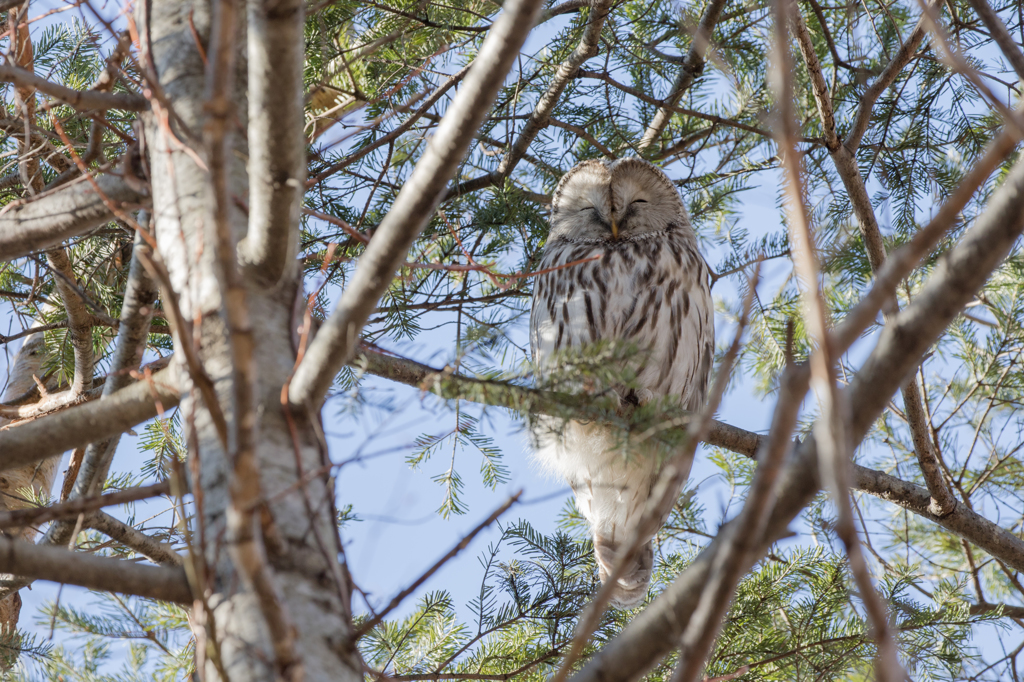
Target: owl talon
(633, 399)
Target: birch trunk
(297, 520)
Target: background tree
(222, 213)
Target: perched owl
(649, 288)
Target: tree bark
(298, 522)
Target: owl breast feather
(650, 291)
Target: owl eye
(639, 201)
(588, 208)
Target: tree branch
(882, 83)
(94, 572)
(81, 100)
(79, 319)
(644, 97)
(134, 539)
(18, 518)
(244, 538)
(1001, 36)
(394, 134)
(849, 173)
(277, 143)
(136, 314)
(831, 430)
(963, 521)
(336, 341)
(693, 66)
(702, 631)
(1007, 610)
(45, 221)
(36, 440)
(566, 71)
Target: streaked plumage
(649, 288)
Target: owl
(647, 288)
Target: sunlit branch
(82, 100)
(30, 226)
(566, 71)
(693, 66)
(336, 342)
(38, 439)
(21, 558)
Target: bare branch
(132, 538)
(1001, 36)
(74, 209)
(336, 341)
(882, 83)
(583, 135)
(849, 173)
(901, 261)
(737, 553)
(394, 134)
(39, 137)
(693, 66)
(586, 49)
(136, 314)
(82, 100)
(79, 319)
(566, 71)
(22, 558)
(36, 440)
(17, 518)
(962, 521)
(277, 144)
(1006, 610)
(831, 430)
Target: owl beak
(615, 229)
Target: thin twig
(452, 553)
(17, 518)
(832, 429)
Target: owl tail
(631, 587)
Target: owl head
(610, 200)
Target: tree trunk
(296, 520)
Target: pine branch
(21, 558)
(30, 226)
(82, 100)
